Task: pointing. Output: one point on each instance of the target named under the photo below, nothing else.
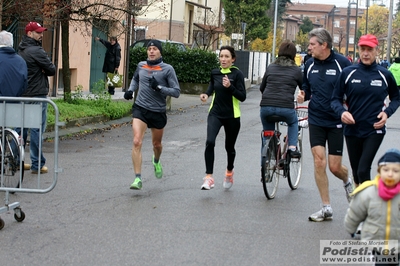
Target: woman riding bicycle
(278, 87)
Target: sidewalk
(184, 101)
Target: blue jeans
(291, 121)
(36, 139)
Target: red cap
(368, 40)
(34, 26)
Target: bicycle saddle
(276, 118)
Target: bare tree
(342, 35)
(108, 16)
(208, 33)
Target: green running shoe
(158, 172)
(137, 184)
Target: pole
(170, 20)
(204, 29)
(244, 34)
(348, 29)
(333, 21)
(389, 41)
(127, 48)
(355, 34)
(57, 45)
(389, 37)
(366, 19)
(275, 22)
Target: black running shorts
(152, 119)
(334, 136)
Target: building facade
(339, 21)
(196, 23)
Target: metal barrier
(17, 114)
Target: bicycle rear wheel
(12, 171)
(294, 164)
(269, 175)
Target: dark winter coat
(279, 83)
(113, 56)
(39, 67)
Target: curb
(91, 124)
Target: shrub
(81, 105)
(192, 66)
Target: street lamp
(366, 18)
(274, 39)
(334, 10)
(348, 25)
(389, 37)
(244, 33)
(170, 21)
(355, 34)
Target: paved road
(92, 217)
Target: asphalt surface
(91, 217)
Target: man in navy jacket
(320, 75)
(365, 86)
(14, 73)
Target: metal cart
(17, 114)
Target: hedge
(191, 66)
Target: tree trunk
(66, 73)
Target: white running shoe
(228, 181)
(208, 183)
(326, 213)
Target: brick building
(334, 19)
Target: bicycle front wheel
(269, 176)
(294, 165)
(12, 167)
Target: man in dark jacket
(325, 127)
(366, 86)
(307, 56)
(39, 69)
(112, 58)
(14, 73)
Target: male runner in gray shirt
(156, 81)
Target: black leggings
(362, 152)
(231, 127)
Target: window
(336, 23)
(139, 33)
(336, 38)
(201, 37)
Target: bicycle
(12, 158)
(276, 160)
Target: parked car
(144, 42)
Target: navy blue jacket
(365, 88)
(318, 83)
(14, 73)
